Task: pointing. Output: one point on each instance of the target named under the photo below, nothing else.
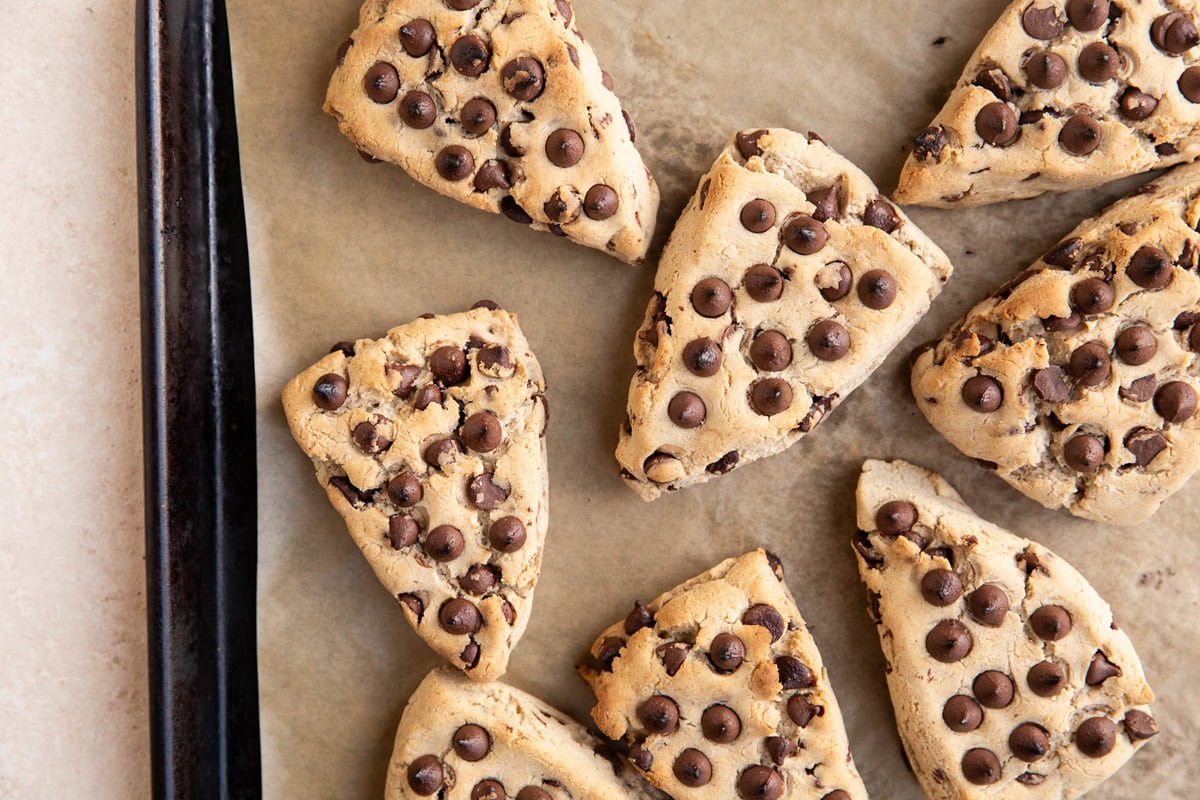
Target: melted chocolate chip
(601, 202)
(659, 714)
(692, 768)
(1098, 62)
(1088, 15)
(444, 543)
(484, 493)
(881, 214)
(417, 110)
(747, 143)
(402, 531)
(1140, 390)
(980, 766)
(1042, 23)
(1174, 33)
(877, 289)
(896, 517)
(1189, 84)
(640, 617)
(983, 394)
(1090, 364)
(470, 55)
(1136, 105)
(609, 650)
(827, 203)
(1101, 669)
(454, 163)
(492, 175)
(702, 357)
(930, 143)
(794, 673)
(673, 654)
(1092, 296)
(1136, 345)
(479, 579)
(405, 490)
(471, 743)
(765, 616)
(507, 535)
(801, 711)
(1139, 725)
(1145, 444)
(996, 82)
(760, 783)
(779, 749)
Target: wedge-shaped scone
(1009, 677)
(719, 691)
(786, 282)
(501, 105)
(429, 444)
(1064, 95)
(1077, 381)
(460, 740)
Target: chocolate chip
(462, 5)
(692, 768)
(1174, 33)
(413, 604)
(425, 775)
(771, 352)
(763, 283)
(484, 493)
(565, 11)
(747, 143)
(702, 357)
(1080, 135)
(471, 743)
(428, 395)
(1101, 669)
(642, 758)
(1096, 737)
(1090, 364)
(382, 83)
(1098, 62)
(1145, 444)
(983, 394)
(352, 493)
(1150, 267)
(949, 641)
(988, 605)
(488, 789)
(345, 348)
(687, 410)
(996, 82)
(765, 616)
(459, 617)
(600, 202)
(881, 214)
(1031, 779)
(1137, 105)
(509, 146)
(343, 50)
(758, 216)
(837, 794)
(804, 235)
(478, 116)
(930, 143)
(941, 587)
(877, 289)
(1050, 623)
(673, 654)
(629, 124)
(492, 175)
(962, 714)
(533, 793)
(1046, 679)
(444, 543)
(659, 714)
(640, 617)
(1140, 390)
(507, 534)
(801, 711)
(711, 297)
(1092, 296)
(329, 392)
(1194, 338)
(724, 464)
(470, 55)
(1029, 742)
(844, 277)
(1041, 23)
(564, 148)
(760, 783)
(1189, 84)
(608, 651)
(482, 432)
(771, 396)
(1139, 725)
(720, 724)
(1136, 345)
(993, 689)
(895, 517)
(980, 765)
(402, 531)
(996, 123)
(449, 365)
(1175, 402)
(417, 110)
(827, 203)
(779, 749)
(479, 579)
(372, 437)
(454, 163)
(495, 361)
(405, 490)
(794, 673)
(829, 340)
(1063, 324)
(727, 652)
(417, 37)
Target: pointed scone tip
(1077, 381)
(1006, 669)
(718, 690)
(1063, 95)
(490, 741)
(429, 443)
(502, 106)
(785, 284)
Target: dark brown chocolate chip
(454, 163)
(1080, 135)
(941, 587)
(1101, 669)
(482, 432)
(724, 464)
(382, 83)
(1145, 444)
(417, 110)
(829, 340)
(471, 743)
(601, 202)
(413, 604)
(930, 143)
(425, 775)
(881, 214)
(1175, 402)
(659, 714)
(996, 82)
(804, 235)
(702, 357)
(1046, 679)
(442, 452)
(1141, 390)
(1096, 737)
(1098, 62)
(983, 394)
(402, 531)
(533, 793)
(993, 689)
(449, 365)
(758, 216)
(760, 783)
(877, 289)
(771, 352)
(484, 493)
(1090, 364)
(687, 410)
(564, 148)
(779, 749)
(1029, 742)
(827, 203)
(720, 724)
(1139, 725)
(1189, 84)
(462, 5)
(711, 297)
(794, 673)
(801, 711)
(763, 283)
(727, 652)
(345, 348)
(673, 654)
(1050, 623)
(837, 794)
(988, 605)
(949, 641)
(640, 617)
(1174, 33)
(1194, 338)
(508, 145)
(428, 395)
(1150, 267)
(565, 11)
(524, 78)
(844, 277)
(417, 37)
(1136, 345)
(329, 392)
(609, 650)
(478, 116)
(642, 758)
(1137, 105)
(962, 714)
(895, 517)
(488, 789)
(765, 616)
(343, 50)
(507, 534)
(444, 543)
(492, 175)
(1063, 324)
(479, 579)
(1042, 23)
(405, 490)
(1092, 296)
(459, 617)
(470, 55)
(371, 437)
(495, 360)
(747, 143)
(1088, 15)
(402, 378)
(996, 123)
(629, 124)
(771, 396)
(692, 768)
(980, 765)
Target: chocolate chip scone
(1063, 95)
(1006, 670)
(429, 443)
(1077, 380)
(786, 282)
(503, 106)
(460, 740)
(719, 691)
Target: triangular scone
(786, 282)
(1063, 95)
(1077, 381)
(429, 444)
(1008, 675)
(503, 106)
(719, 691)
(460, 740)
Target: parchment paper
(342, 249)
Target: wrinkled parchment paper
(342, 249)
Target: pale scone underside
(786, 238)
(1064, 366)
(503, 106)
(401, 460)
(1063, 95)
(1081, 699)
(784, 735)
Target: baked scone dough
(785, 283)
(719, 691)
(503, 106)
(429, 443)
(1077, 381)
(1063, 95)
(1009, 677)
(460, 740)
